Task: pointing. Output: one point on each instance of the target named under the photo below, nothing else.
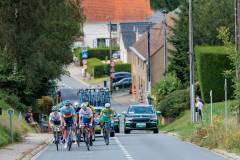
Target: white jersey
(55, 116)
(199, 105)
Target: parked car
(117, 76)
(116, 55)
(123, 83)
(140, 117)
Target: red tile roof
(116, 10)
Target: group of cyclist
(79, 116)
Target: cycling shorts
(105, 119)
(86, 121)
(56, 123)
(68, 122)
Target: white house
(98, 14)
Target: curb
(34, 151)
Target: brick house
(138, 58)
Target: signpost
(0, 114)
(84, 59)
(10, 113)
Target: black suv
(140, 117)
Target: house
(98, 14)
(138, 57)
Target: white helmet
(107, 105)
(84, 106)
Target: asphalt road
(139, 145)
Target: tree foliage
(35, 43)
(167, 5)
(207, 17)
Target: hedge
(211, 63)
(100, 53)
(92, 62)
(101, 70)
(172, 105)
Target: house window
(114, 27)
(101, 42)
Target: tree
(37, 36)
(167, 5)
(207, 17)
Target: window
(114, 27)
(101, 42)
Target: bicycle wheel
(78, 135)
(87, 140)
(56, 140)
(107, 136)
(70, 141)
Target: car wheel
(155, 131)
(126, 131)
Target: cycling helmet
(107, 105)
(68, 103)
(84, 106)
(54, 108)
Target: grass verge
(20, 127)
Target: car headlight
(154, 119)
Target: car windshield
(141, 110)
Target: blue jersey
(67, 112)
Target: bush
(97, 69)
(45, 104)
(100, 53)
(92, 62)
(174, 104)
(165, 86)
(123, 68)
(211, 64)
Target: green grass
(182, 126)
(20, 127)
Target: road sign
(84, 54)
(10, 112)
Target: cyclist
(54, 118)
(68, 116)
(86, 117)
(93, 121)
(106, 114)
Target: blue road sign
(10, 111)
(84, 54)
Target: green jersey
(106, 115)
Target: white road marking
(39, 153)
(124, 150)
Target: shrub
(92, 62)
(174, 104)
(100, 53)
(165, 86)
(123, 68)
(99, 70)
(45, 104)
(211, 64)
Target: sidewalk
(31, 145)
(123, 98)
(75, 72)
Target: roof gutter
(137, 53)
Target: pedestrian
(199, 108)
(29, 115)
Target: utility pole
(237, 30)
(110, 54)
(165, 43)
(191, 63)
(149, 60)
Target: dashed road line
(123, 149)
